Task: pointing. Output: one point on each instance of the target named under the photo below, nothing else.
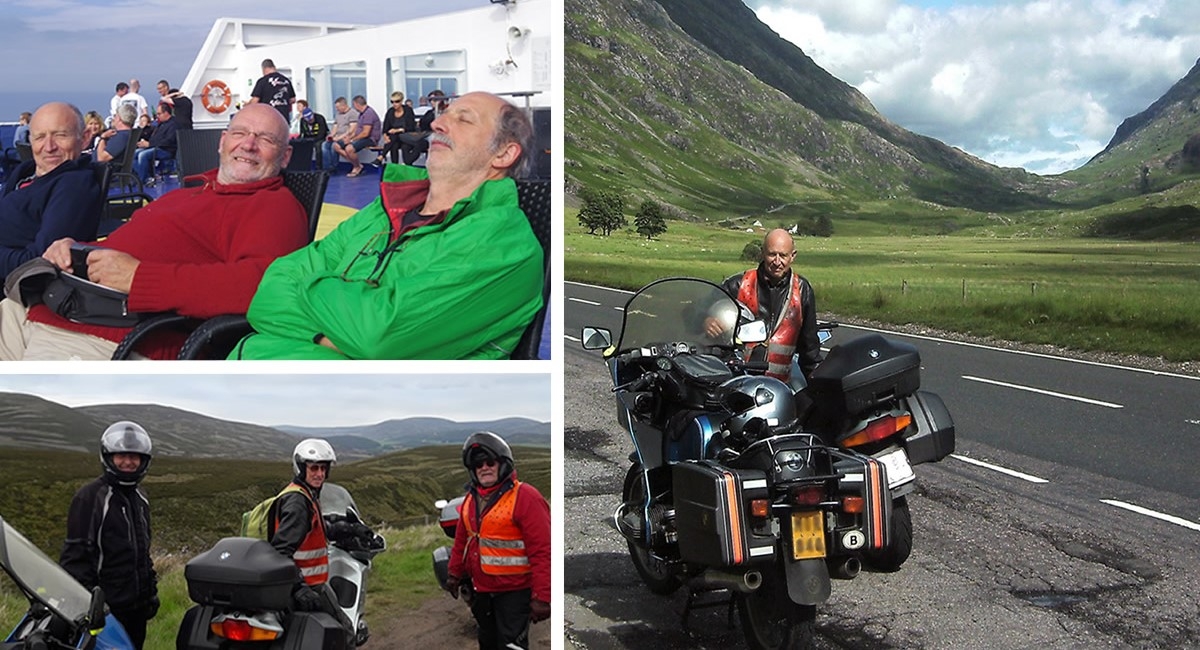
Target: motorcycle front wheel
(890, 559)
(771, 621)
(655, 573)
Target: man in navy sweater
(55, 195)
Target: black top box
(861, 375)
(242, 572)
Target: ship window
(328, 82)
(417, 74)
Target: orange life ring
(216, 96)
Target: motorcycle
(352, 546)
(62, 613)
(448, 516)
(242, 588)
(738, 482)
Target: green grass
(1086, 294)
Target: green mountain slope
(698, 104)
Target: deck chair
(534, 198)
(309, 189)
(302, 155)
(222, 333)
(24, 151)
(198, 151)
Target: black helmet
(485, 444)
(125, 437)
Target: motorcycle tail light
(239, 630)
(760, 508)
(808, 495)
(878, 430)
(853, 505)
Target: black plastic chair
(534, 198)
(198, 152)
(302, 155)
(309, 189)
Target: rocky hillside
(701, 105)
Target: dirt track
(440, 623)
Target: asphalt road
(1069, 516)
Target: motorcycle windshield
(336, 500)
(40, 577)
(678, 309)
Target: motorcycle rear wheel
(771, 621)
(654, 573)
(890, 559)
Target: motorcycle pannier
(241, 572)
(712, 514)
(862, 374)
(933, 439)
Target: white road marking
(1003, 470)
(1043, 392)
(1153, 513)
(586, 302)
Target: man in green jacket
(443, 265)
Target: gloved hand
(152, 606)
(308, 600)
(539, 610)
(452, 583)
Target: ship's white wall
(235, 48)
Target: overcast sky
(77, 50)
(305, 399)
(1039, 84)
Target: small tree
(602, 210)
(650, 220)
(752, 252)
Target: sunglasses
(486, 462)
(321, 466)
(397, 101)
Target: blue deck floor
(353, 193)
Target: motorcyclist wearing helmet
(108, 531)
(502, 545)
(785, 301)
(296, 529)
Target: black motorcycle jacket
(772, 299)
(108, 543)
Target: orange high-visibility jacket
(501, 546)
(786, 331)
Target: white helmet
(125, 437)
(312, 450)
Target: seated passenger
(364, 137)
(12, 157)
(199, 251)
(93, 126)
(161, 146)
(313, 128)
(55, 195)
(443, 265)
(412, 145)
(114, 141)
(398, 120)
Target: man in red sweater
(199, 251)
(501, 546)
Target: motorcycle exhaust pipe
(846, 570)
(743, 583)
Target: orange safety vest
(501, 547)
(786, 330)
(312, 556)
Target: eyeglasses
(263, 139)
(397, 101)
(324, 467)
(486, 462)
(376, 246)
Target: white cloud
(1041, 84)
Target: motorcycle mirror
(596, 338)
(823, 336)
(753, 332)
(95, 616)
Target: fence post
(964, 291)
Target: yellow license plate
(808, 535)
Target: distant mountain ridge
(30, 422)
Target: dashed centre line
(1044, 392)
(1178, 521)
(1003, 470)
